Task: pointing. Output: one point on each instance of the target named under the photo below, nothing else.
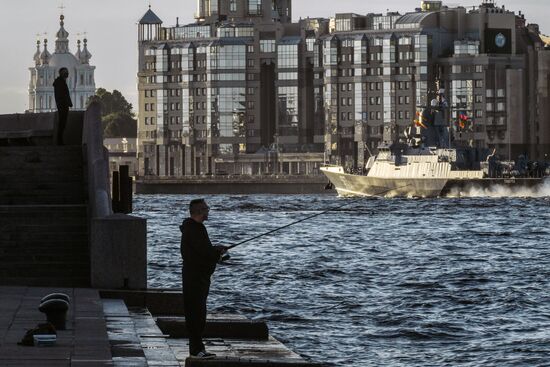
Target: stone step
(43, 237)
(44, 151)
(43, 260)
(41, 200)
(55, 155)
(27, 185)
(33, 174)
(57, 164)
(41, 197)
(55, 282)
(53, 228)
(245, 362)
(43, 246)
(22, 249)
(45, 269)
(59, 213)
(227, 329)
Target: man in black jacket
(199, 263)
(63, 102)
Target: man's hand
(222, 249)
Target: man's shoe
(204, 355)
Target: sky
(111, 29)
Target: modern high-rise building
(244, 90)
(81, 80)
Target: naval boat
(426, 165)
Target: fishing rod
(310, 217)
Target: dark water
(384, 282)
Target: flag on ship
(463, 120)
(419, 120)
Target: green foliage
(118, 118)
(119, 125)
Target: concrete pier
(235, 185)
(106, 332)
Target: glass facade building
(246, 91)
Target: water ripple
(380, 282)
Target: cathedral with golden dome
(81, 80)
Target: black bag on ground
(41, 329)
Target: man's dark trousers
(195, 294)
(63, 115)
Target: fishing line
(310, 217)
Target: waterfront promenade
(84, 343)
(105, 332)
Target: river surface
(380, 282)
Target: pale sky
(111, 27)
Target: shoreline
(233, 185)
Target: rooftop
(150, 18)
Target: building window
(479, 113)
(479, 68)
(479, 83)
(310, 44)
(233, 5)
(287, 56)
(254, 7)
(288, 108)
(267, 45)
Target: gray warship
(425, 164)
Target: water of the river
(382, 282)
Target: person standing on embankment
(63, 102)
(199, 263)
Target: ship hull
(357, 185)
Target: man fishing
(199, 263)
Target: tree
(118, 117)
